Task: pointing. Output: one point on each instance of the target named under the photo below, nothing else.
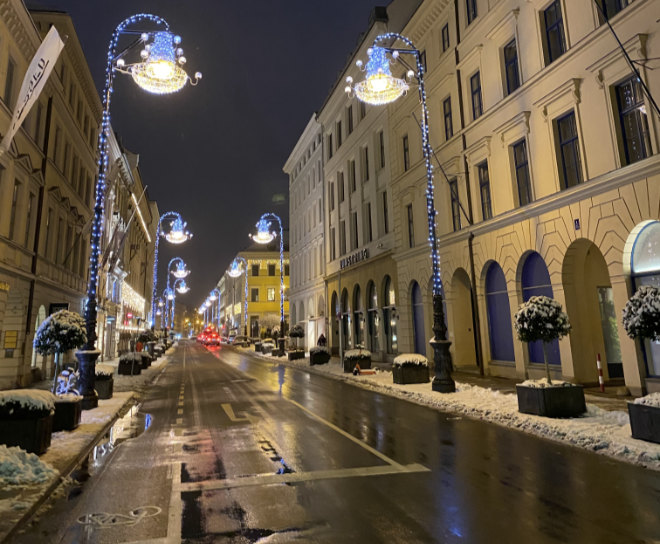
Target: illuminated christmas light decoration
(115, 63)
(178, 232)
(181, 271)
(265, 235)
(182, 288)
(235, 271)
(179, 287)
(380, 87)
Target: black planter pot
(150, 347)
(350, 362)
(644, 422)
(268, 348)
(31, 433)
(104, 386)
(257, 347)
(559, 401)
(146, 359)
(67, 415)
(129, 367)
(296, 354)
(410, 374)
(319, 358)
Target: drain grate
(103, 520)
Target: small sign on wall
(576, 224)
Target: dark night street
(242, 450)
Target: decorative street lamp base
(442, 381)
(86, 365)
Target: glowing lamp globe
(159, 312)
(380, 86)
(264, 234)
(213, 297)
(235, 271)
(182, 287)
(178, 233)
(181, 271)
(160, 72)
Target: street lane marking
(233, 417)
(332, 474)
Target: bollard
(601, 382)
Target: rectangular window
(511, 66)
(60, 237)
(370, 233)
(363, 110)
(386, 218)
(37, 123)
(57, 145)
(28, 219)
(351, 174)
(14, 209)
(446, 112)
(475, 93)
(609, 8)
(455, 204)
(342, 237)
(270, 294)
(254, 294)
(255, 269)
(406, 154)
(411, 226)
(286, 269)
(340, 186)
(331, 196)
(49, 235)
(9, 83)
(381, 144)
(333, 246)
(484, 191)
(555, 41)
(365, 164)
(349, 119)
(330, 148)
(471, 9)
(339, 134)
(271, 269)
(445, 37)
(633, 121)
(521, 166)
(570, 169)
(354, 230)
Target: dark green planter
(32, 433)
(67, 415)
(104, 386)
(146, 359)
(560, 401)
(644, 422)
(295, 354)
(318, 358)
(350, 362)
(129, 367)
(410, 374)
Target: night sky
(215, 152)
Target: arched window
(390, 318)
(499, 315)
(346, 319)
(373, 319)
(358, 315)
(418, 318)
(536, 282)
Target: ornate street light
(235, 271)
(179, 287)
(379, 88)
(166, 80)
(181, 271)
(265, 235)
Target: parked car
(231, 338)
(212, 339)
(242, 341)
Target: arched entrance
(346, 320)
(499, 315)
(373, 320)
(334, 322)
(419, 334)
(461, 303)
(645, 270)
(590, 309)
(358, 316)
(390, 317)
(535, 281)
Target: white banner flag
(35, 78)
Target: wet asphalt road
(243, 450)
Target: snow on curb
(18, 467)
(602, 431)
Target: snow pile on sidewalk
(18, 467)
(602, 431)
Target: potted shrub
(59, 333)
(410, 368)
(296, 333)
(542, 318)
(359, 356)
(130, 363)
(319, 355)
(148, 338)
(641, 319)
(26, 419)
(104, 382)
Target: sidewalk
(604, 428)
(68, 449)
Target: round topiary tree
(60, 332)
(641, 315)
(541, 318)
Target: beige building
(307, 294)
(550, 145)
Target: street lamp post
(179, 287)
(214, 296)
(379, 88)
(160, 71)
(264, 236)
(234, 272)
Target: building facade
(307, 294)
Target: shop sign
(356, 257)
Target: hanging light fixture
(169, 294)
(161, 70)
(380, 86)
(178, 232)
(264, 234)
(181, 270)
(235, 269)
(182, 287)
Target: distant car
(242, 341)
(201, 337)
(212, 339)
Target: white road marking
(233, 417)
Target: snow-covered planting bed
(649, 400)
(28, 399)
(104, 370)
(410, 359)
